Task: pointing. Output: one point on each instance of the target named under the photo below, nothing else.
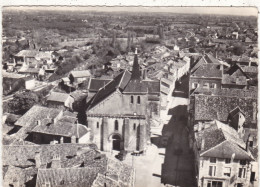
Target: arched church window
(97, 125)
(132, 99)
(134, 126)
(116, 125)
(138, 100)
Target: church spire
(136, 73)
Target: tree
(22, 102)
(238, 49)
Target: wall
(85, 138)
(130, 138)
(201, 81)
(29, 84)
(121, 101)
(220, 164)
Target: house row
(223, 124)
(214, 74)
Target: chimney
(248, 143)
(73, 139)
(37, 158)
(202, 144)
(56, 163)
(233, 157)
(61, 140)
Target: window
(116, 125)
(214, 184)
(239, 184)
(251, 143)
(134, 126)
(212, 160)
(212, 170)
(227, 171)
(97, 125)
(243, 162)
(242, 172)
(132, 99)
(227, 160)
(138, 100)
(194, 85)
(206, 85)
(213, 85)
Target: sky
(242, 11)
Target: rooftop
(58, 97)
(27, 53)
(79, 74)
(208, 71)
(221, 141)
(208, 107)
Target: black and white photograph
(129, 96)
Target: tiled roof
(21, 155)
(249, 69)
(79, 74)
(153, 86)
(58, 97)
(67, 177)
(226, 150)
(208, 107)
(233, 69)
(30, 70)
(221, 141)
(226, 92)
(210, 59)
(37, 113)
(96, 84)
(21, 175)
(27, 53)
(135, 86)
(234, 80)
(61, 128)
(208, 71)
(120, 81)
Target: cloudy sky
(243, 11)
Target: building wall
(220, 164)
(121, 105)
(102, 130)
(69, 102)
(39, 138)
(84, 139)
(29, 84)
(202, 81)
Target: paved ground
(178, 165)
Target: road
(178, 167)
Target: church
(119, 114)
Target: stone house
(222, 158)
(77, 77)
(206, 76)
(60, 100)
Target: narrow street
(178, 169)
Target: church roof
(126, 82)
(136, 74)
